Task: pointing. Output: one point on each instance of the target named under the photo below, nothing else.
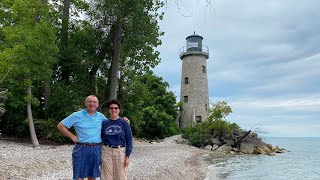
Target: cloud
(264, 58)
(304, 103)
(308, 130)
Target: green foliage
(219, 111)
(28, 50)
(15, 111)
(30, 43)
(22, 129)
(197, 134)
(34, 101)
(80, 65)
(2, 99)
(200, 134)
(179, 106)
(65, 100)
(156, 123)
(46, 130)
(220, 128)
(151, 109)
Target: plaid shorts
(86, 161)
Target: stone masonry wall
(196, 89)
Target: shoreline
(164, 160)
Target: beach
(155, 160)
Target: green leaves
(30, 46)
(29, 49)
(217, 126)
(219, 111)
(34, 101)
(80, 65)
(152, 109)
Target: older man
(86, 154)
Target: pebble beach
(162, 160)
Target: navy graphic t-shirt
(117, 132)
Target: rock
(247, 148)
(208, 147)
(235, 150)
(258, 150)
(271, 154)
(153, 142)
(224, 148)
(277, 149)
(215, 141)
(215, 147)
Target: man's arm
(65, 131)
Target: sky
(264, 60)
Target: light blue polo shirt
(88, 128)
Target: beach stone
(224, 148)
(215, 147)
(166, 161)
(208, 147)
(247, 148)
(215, 141)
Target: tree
(83, 65)
(150, 107)
(3, 95)
(219, 111)
(2, 98)
(131, 30)
(30, 49)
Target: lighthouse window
(186, 80)
(198, 118)
(192, 44)
(185, 99)
(206, 107)
(204, 69)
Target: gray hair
(91, 96)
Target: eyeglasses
(92, 102)
(115, 108)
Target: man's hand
(126, 119)
(74, 138)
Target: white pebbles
(148, 161)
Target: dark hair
(114, 101)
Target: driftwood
(237, 138)
(237, 142)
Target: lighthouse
(194, 81)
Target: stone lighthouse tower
(194, 81)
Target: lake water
(301, 163)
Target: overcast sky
(264, 59)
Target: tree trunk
(120, 87)
(65, 72)
(33, 134)
(46, 85)
(93, 81)
(116, 59)
(237, 142)
(65, 23)
(47, 95)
